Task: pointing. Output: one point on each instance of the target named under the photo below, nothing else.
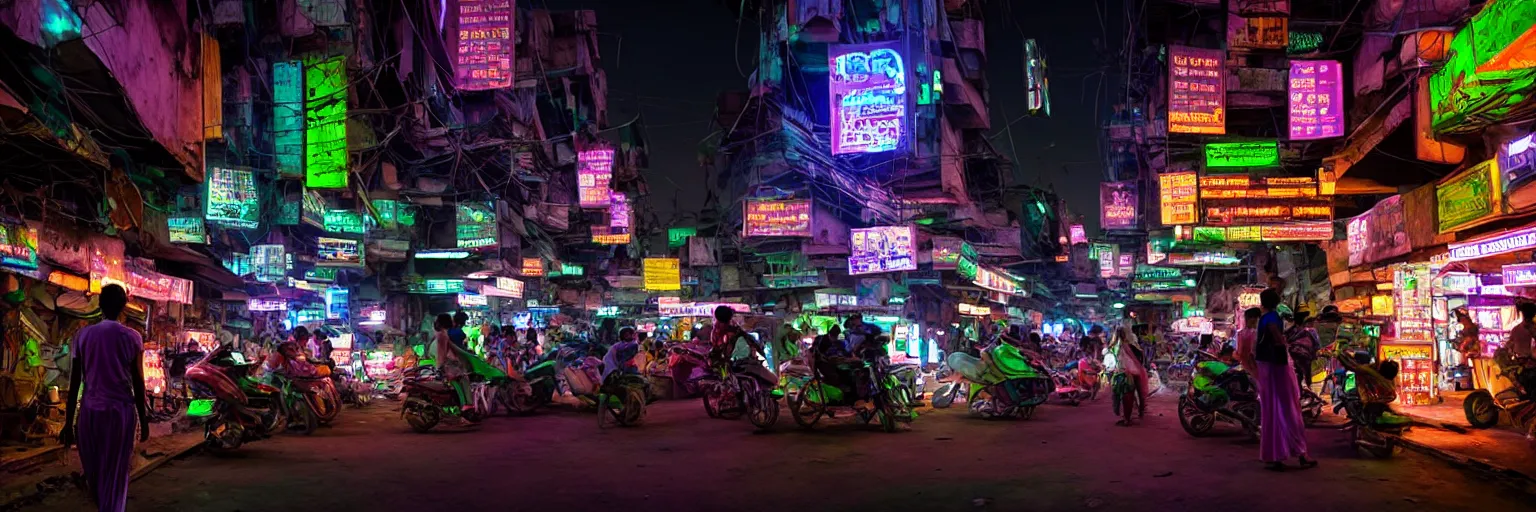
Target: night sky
(668, 59)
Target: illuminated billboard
(594, 169)
(765, 217)
(868, 90)
(533, 267)
(1178, 197)
(1117, 202)
(1237, 212)
(662, 274)
(1316, 99)
(1197, 91)
(288, 118)
(326, 162)
(1471, 198)
(484, 53)
(882, 249)
(475, 224)
(232, 198)
(187, 230)
(1242, 154)
(339, 252)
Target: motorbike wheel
(945, 395)
(633, 407)
(522, 401)
(363, 398)
(303, 420)
(421, 416)
(763, 410)
(887, 414)
(1374, 444)
(709, 404)
(1311, 407)
(1195, 422)
(797, 404)
(1249, 411)
(223, 435)
(1480, 409)
(326, 406)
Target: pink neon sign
(1316, 99)
(594, 169)
(484, 50)
(868, 90)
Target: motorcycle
(1004, 384)
(235, 408)
(429, 399)
(1506, 393)
(1365, 398)
(622, 397)
(573, 367)
(687, 363)
(1219, 392)
(810, 397)
(742, 388)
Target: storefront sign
(338, 303)
(151, 285)
(475, 224)
(344, 221)
(1269, 32)
(1249, 298)
(485, 45)
(18, 248)
(533, 267)
(1197, 91)
(1523, 274)
(326, 162)
(1500, 243)
(1151, 273)
(267, 305)
(677, 237)
(801, 279)
(1178, 193)
(1108, 260)
(473, 300)
(1255, 214)
(1470, 198)
(997, 281)
(1219, 155)
(673, 308)
(594, 169)
(662, 274)
(1381, 305)
(603, 235)
(882, 249)
(339, 252)
(867, 84)
(1316, 99)
(1117, 203)
(1517, 163)
(973, 310)
(1379, 233)
(766, 217)
(512, 286)
(187, 230)
(1078, 235)
(288, 118)
(270, 262)
(232, 198)
(435, 286)
(1488, 72)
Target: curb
(37, 493)
(1510, 477)
(161, 460)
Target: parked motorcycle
(235, 408)
(1506, 393)
(1375, 429)
(1004, 383)
(742, 388)
(688, 363)
(811, 397)
(572, 367)
(429, 399)
(1219, 392)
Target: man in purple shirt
(108, 359)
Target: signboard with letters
(1197, 91)
(1469, 199)
(1316, 99)
(868, 91)
(594, 170)
(1178, 194)
(882, 249)
(1117, 203)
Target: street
(1065, 458)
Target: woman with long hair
(1284, 432)
(1128, 357)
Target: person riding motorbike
(287, 355)
(621, 356)
(450, 358)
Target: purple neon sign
(1509, 241)
(1523, 274)
(1317, 99)
(868, 89)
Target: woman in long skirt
(1282, 433)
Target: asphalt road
(1065, 458)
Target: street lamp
(1119, 305)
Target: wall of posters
(288, 118)
(484, 50)
(766, 217)
(1316, 99)
(187, 230)
(1469, 198)
(326, 162)
(475, 224)
(232, 198)
(662, 274)
(1117, 205)
(339, 252)
(1197, 90)
(1178, 194)
(868, 91)
(882, 249)
(594, 169)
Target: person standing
(1304, 344)
(108, 360)
(1128, 358)
(1284, 432)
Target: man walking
(108, 359)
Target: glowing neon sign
(868, 91)
(232, 199)
(882, 249)
(777, 218)
(325, 121)
(485, 45)
(594, 169)
(475, 224)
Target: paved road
(1065, 458)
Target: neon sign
(513, 287)
(777, 218)
(232, 199)
(1242, 154)
(1470, 198)
(343, 221)
(1178, 196)
(326, 163)
(267, 305)
(882, 249)
(868, 91)
(662, 274)
(187, 230)
(677, 237)
(1316, 99)
(1078, 235)
(1523, 274)
(1117, 201)
(1197, 91)
(475, 225)
(594, 170)
(485, 45)
(1509, 241)
(18, 248)
(288, 118)
(339, 252)
(270, 262)
(533, 267)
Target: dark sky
(668, 59)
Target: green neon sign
(288, 117)
(1242, 154)
(344, 221)
(325, 124)
(1483, 78)
(677, 237)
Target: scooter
(1507, 394)
(1365, 398)
(688, 363)
(1008, 384)
(429, 399)
(742, 388)
(573, 367)
(1219, 392)
(234, 407)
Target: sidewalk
(1499, 452)
(49, 469)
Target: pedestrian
(1304, 345)
(108, 360)
(1284, 432)
(1128, 357)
